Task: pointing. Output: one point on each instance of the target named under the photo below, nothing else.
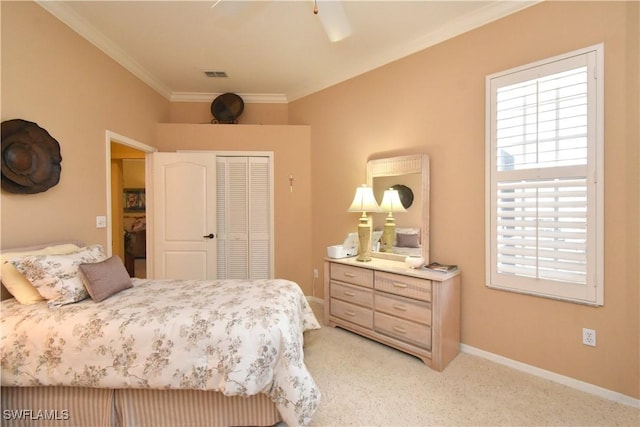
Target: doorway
(126, 179)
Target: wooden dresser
(415, 311)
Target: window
(544, 198)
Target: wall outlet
(589, 337)
(315, 273)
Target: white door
(245, 217)
(184, 215)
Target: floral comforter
(237, 337)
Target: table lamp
(364, 201)
(390, 203)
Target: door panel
(184, 201)
(245, 220)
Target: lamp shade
(391, 201)
(364, 201)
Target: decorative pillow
(408, 230)
(56, 276)
(408, 240)
(18, 285)
(105, 278)
(15, 282)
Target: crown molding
(249, 98)
(78, 24)
(493, 11)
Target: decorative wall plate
(405, 193)
(226, 108)
(30, 158)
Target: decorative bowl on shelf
(414, 261)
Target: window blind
(542, 193)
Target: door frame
(110, 137)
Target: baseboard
(548, 375)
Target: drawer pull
(399, 285)
(350, 313)
(399, 307)
(349, 274)
(349, 294)
(400, 329)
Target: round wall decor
(30, 158)
(405, 193)
(226, 108)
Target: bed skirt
(81, 407)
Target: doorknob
(209, 236)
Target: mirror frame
(402, 165)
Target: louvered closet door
(244, 217)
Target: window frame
(592, 292)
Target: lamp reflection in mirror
(364, 201)
(390, 203)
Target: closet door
(244, 215)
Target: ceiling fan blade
(334, 19)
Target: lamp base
(388, 235)
(364, 240)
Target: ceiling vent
(216, 74)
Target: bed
(158, 352)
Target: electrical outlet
(589, 337)
(315, 273)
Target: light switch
(101, 221)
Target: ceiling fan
(332, 17)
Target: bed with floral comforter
(238, 337)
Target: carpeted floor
(364, 383)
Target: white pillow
(15, 282)
(55, 277)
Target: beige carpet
(364, 383)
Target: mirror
(410, 176)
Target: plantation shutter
(543, 180)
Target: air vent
(216, 74)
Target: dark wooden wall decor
(30, 158)
(405, 193)
(226, 108)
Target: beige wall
(434, 102)
(52, 76)
(291, 147)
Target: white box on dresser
(414, 310)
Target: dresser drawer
(350, 274)
(407, 286)
(410, 332)
(410, 309)
(352, 313)
(353, 294)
